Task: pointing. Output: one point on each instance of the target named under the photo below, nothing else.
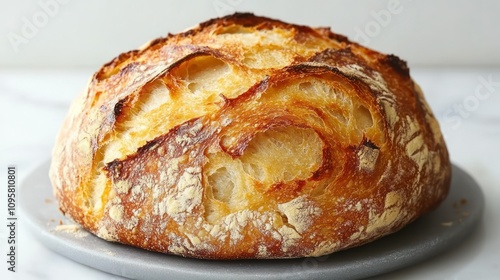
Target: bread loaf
(248, 137)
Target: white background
(49, 48)
(88, 33)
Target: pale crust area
(247, 137)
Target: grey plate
(433, 233)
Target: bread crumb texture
(248, 137)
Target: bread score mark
(157, 168)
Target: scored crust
(248, 137)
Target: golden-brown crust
(247, 137)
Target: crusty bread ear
(248, 137)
